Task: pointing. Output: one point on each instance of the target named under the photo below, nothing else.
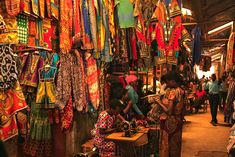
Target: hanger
(47, 66)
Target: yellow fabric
(46, 89)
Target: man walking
(214, 87)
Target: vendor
(131, 81)
(104, 126)
(122, 95)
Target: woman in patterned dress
(171, 121)
(104, 126)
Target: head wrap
(131, 78)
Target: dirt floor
(201, 139)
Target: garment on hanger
(12, 7)
(8, 67)
(125, 13)
(11, 102)
(93, 81)
(32, 63)
(169, 36)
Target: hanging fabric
(35, 6)
(42, 8)
(12, 7)
(230, 51)
(65, 25)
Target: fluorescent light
(221, 27)
(186, 12)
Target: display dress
(39, 143)
(168, 35)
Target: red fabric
(200, 94)
(133, 46)
(123, 81)
(67, 116)
(47, 34)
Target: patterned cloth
(32, 62)
(8, 67)
(13, 7)
(22, 29)
(105, 121)
(46, 88)
(47, 33)
(11, 102)
(168, 41)
(87, 40)
(42, 8)
(71, 77)
(35, 7)
(93, 82)
(32, 31)
(54, 9)
(171, 125)
(65, 25)
(26, 6)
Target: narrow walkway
(201, 139)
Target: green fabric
(213, 87)
(125, 13)
(40, 126)
(133, 96)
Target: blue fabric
(196, 45)
(86, 18)
(214, 87)
(133, 96)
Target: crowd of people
(170, 98)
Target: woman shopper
(171, 121)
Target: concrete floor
(201, 139)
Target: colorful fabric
(11, 102)
(29, 76)
(49, 6)
(171, 125)
(12, 7)
(2, 24)
(32, 31)
(76, 19)
(105, 121)
(160, 12)
(39, 142)
(65, 26)
(26, 6)
(71, 77)
(125, 13)
(42, 8)
(54, 9)
(93, 82)
(93, 24)
(67, 116)
(46, 88)
(35, 6)
(8, 67)
(47, 33)
(167, 36)
(87, 39)
(22, 29)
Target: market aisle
(201, 139)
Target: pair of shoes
(213, 123)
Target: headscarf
(131, 78)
